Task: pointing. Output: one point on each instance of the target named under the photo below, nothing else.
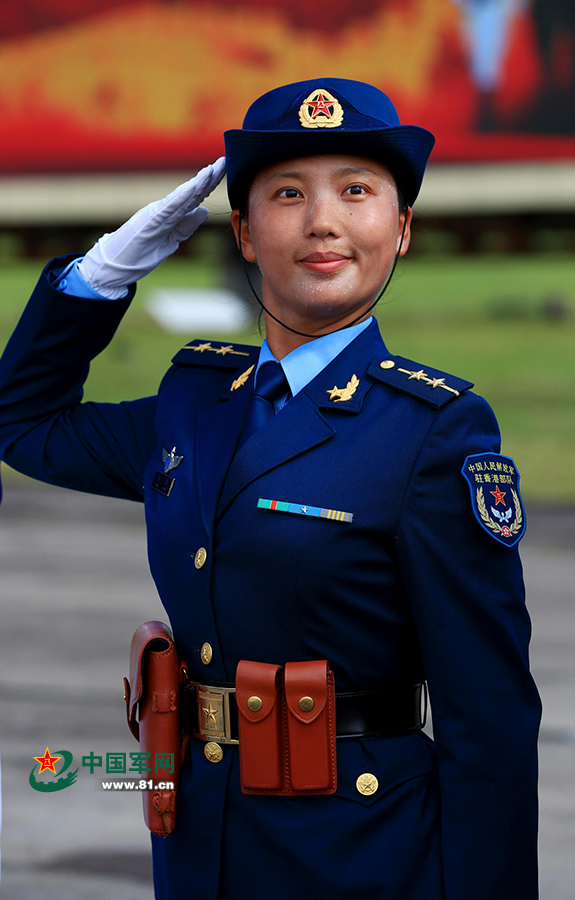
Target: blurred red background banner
(94, 85)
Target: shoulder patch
(208, 353)
(495, 499)
(427, 384)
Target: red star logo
(47, 762)
(320, 106)
(499, 495)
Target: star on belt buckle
(214, 720)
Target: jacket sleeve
(46, 432)
(467, 596)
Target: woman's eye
(290, 193)
(356, 189)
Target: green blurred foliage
(507, 323)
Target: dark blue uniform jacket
(413, 588)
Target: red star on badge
(320, 106)
(47, 762)
(499, 495)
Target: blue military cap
(325, 115)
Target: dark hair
(401, 201)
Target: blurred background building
(105, 103)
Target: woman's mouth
(324, 262)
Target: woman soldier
(318, 498)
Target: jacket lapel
(217, 434)
(301, 425)
(296, 428)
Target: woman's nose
(323, 219)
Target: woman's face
(324, 231)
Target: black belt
(210, 712)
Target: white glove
(150, 236)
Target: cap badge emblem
(320, 110)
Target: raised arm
(45, 430)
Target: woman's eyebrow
(345, 170)
(283, 175)
(355, 170)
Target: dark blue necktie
(270, 386)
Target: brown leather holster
(153, 691)
(286, 721)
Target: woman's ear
(243, 237)
(405, 219)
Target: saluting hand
(150, 236)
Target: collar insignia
(241, 379)
(340, 395)
(320, 110)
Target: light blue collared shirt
(305, 362)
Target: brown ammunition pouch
(154, 691)
(286, 728)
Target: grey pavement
(74, 586)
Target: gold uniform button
(213, 752)
(255, 704)
(206, 654)
(200, 557)
(367, 784)
(306, 704)
(387, 364)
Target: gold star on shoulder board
(340, 395)
(431, 382)
(219, 351)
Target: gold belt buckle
(214, 720)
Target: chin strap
(361, 315)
